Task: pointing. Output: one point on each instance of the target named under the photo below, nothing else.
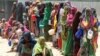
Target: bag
(90, 34)
(79, 33)
(9, 42)
(98, 23)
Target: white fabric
(90, 34)
(51, 32)
(61, 13)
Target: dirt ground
(4, 48)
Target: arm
(12, 36)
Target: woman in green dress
(41, 49)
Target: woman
(40, 49)
(75, 28)
(3, 24)
(14, 38)
(26, 45)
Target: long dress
(86, 46)
(69, 43)
(47, 13)
(63, 24)
(76, 40)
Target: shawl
(47, 13)
(63, 19)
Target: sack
(9, 42)
(79, 33)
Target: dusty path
(4, 48)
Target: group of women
(21, 40)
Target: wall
(81, 5)
(7, 6)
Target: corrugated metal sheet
(6, 5)
(86, 0)
(81, 5)
(76, 0)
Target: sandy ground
(4, 48)
(98, 49)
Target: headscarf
(31, 40)
(41, 39)
(73, 10)
(38, 48)
(70, 16)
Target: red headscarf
(73, 10)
